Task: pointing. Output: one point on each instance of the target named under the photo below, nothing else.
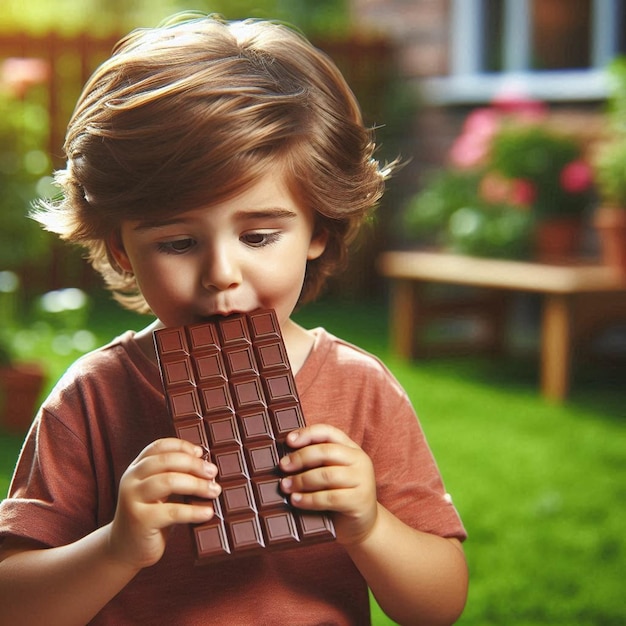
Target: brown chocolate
(230, 389)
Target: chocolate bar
(230, 389)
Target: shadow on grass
(596, 386)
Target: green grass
(541, 488)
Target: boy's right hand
(145, 506)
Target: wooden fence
(366, 63)
(71, 61)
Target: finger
(160, 487)
(173, 461)
(316, 455)
(170, 513)
(320, 479)
(171, 444)
(318, 433)
(336, 500)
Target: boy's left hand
(327, 471)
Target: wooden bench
(577, 299)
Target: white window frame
(468, 83)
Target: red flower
(576, 177)
(523, 192)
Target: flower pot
(20, 390)
(558, 238)
(610, 224)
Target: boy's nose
(221, 271)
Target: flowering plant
(609, 158)
(508, 169)
(523, 160)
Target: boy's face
(247, 252)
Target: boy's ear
(117, 254)
(317, 244)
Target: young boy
(213, 168)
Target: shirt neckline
(304, 378)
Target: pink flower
(468, 151)
(471, 147)
(523, 192)
(18, 75)
(576, 177)
(483, 121)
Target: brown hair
(191, 113)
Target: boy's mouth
(221, 313)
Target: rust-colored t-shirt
(110, 405)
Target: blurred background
(509, 117)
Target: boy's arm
(71, 583)
(64, 585)
(417, 577)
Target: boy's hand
(145, 506)
(327, 471)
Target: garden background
(541, 487)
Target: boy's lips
(223, 313)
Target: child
(216, 167)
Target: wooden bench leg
(402, 318)
(556, 338)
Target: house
(457, 54)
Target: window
(552, 49)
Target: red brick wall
(420, 29)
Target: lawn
(541, 488)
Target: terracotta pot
(610, 223)
(20, 390)
(558, 238)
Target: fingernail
(286, 484)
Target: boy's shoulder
(345, 352)
(338, 359)
(112, 364)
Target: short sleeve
(51, 498)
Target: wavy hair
(193, 112)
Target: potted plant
(609, 164)
(450, 213)
(610, 214)
(526, 161)
(521, 175)
(552, 177)
(52, 338)
(21, 383)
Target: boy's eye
(260, 239)
(177, 246)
